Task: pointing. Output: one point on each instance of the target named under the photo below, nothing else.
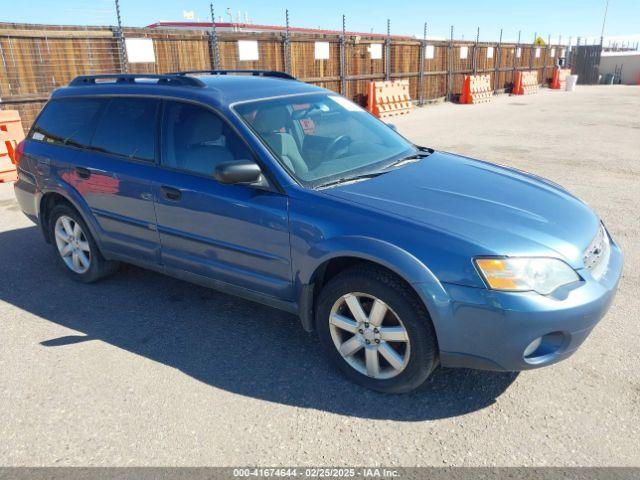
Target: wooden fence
(36, 59)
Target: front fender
(399, 261)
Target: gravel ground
(142, 369)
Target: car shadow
(217, 339)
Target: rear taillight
(19, 152)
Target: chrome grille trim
(596, 256)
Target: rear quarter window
(67, 121)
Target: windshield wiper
(410, 159)
(422, 153)
(354, 178)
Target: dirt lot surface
(142, 369)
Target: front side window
(196, 140)
(323, 138)
(128, 128)
(68, 121)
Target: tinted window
(195, 139)
(128, 128)
(69, 121)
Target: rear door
(114, 175)
(231, 233)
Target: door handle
(83, 172)
(171, 193)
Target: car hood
(499, 210)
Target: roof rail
(130, 78)
(256, 73)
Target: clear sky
(547, 17)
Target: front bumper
(491, 330)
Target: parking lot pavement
(142, 369)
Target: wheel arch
(339, 254)
(50, 199)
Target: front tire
(75, 248)
(376, 330)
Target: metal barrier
(525, 83)
(477, 89)
(389, 98)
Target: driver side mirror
(243, 172)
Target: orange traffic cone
(371, 98)
(517, 85)
(466, 91)
(555, 81)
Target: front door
(231, 233)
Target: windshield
(324, 138)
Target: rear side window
(128, 128)
(68, 121)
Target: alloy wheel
(369, 335)
(72, 244)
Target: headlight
(540, 274)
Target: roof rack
(255, 73)
(130, 78)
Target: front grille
(596, 256)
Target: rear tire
(75, 248)
(389, 344)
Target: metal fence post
(449, 64)
(387, 52)
(423, 48)
(559, 45)
(122, 52)
(475, 53)
(343, 63)
(213, 41)
(516, 62)
(531, 52)
(6, 69)
(497, 59)
(287, 44)
(18, 83)
(546, 60)
(89, 52)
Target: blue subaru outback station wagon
(399, 256)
